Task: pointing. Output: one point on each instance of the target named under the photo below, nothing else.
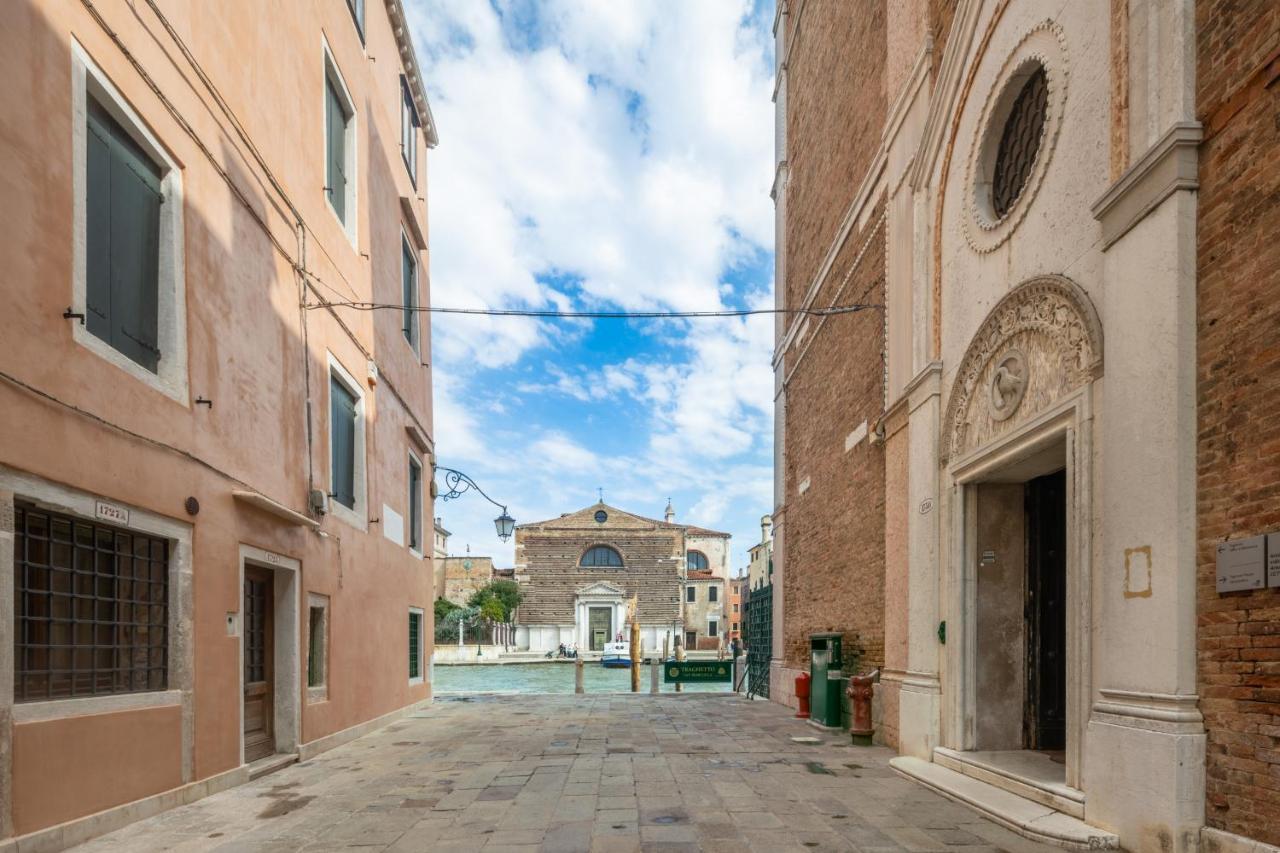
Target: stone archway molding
(1041, 342)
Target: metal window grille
(759, 637)
(92, 608)
(415, 645)
(1019, 143)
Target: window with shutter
(409, 286)
(409, 125)
(342, 441)
(415, 504)
(122, 240)
(336, 119)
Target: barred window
(1019, 143)
(92, 608)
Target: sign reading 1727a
(675, 671)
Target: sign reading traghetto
(1242, 564)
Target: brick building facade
(579, 572)
(828, 551)
(1238, 462)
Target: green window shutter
(409, 285)
(123, 240)
(98, 228)
(342, 443)
(415, 505)
(336, 136)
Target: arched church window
(601, 557)
(697, 561)
(1019, 142)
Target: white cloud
(616, 154)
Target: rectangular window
(317, 645)
(735, 608)
(336, 120)
(415, 645)
(415, 505)
(122, 240)
(713, 594)
(690, 593)
(409, 125)
(357, 14)
(409, 289)
(92, 608)
(342, 442)
(713, 628)
(735, 626)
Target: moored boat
(616, 655)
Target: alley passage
(586, 773)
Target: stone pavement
(580, 773)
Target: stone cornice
(409, 60)
(1168, 166)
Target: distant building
(760, 568)
(439, 550)
(464, 576)
(580, 571)
(736, 602)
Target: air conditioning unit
(319, 502)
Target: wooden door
(259, 709)
(600, 625)
(1046, 612)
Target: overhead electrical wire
(594, 315)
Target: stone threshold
(270, 764)
(1028, 774)
(1028, 818)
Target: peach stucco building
(213, 485)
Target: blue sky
(601, 155)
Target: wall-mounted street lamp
(458, 483)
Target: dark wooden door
(1046, 611)
(600, 625)
(259, 709)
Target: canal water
(548, 678)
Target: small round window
(1019, 143)
(602, 516)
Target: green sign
(674, 671)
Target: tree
(492, 610)
(505, 593)
(443, 608)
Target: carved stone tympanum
(1042, 341)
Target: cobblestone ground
(580, 773)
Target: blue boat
(616, 655)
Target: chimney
(670, 515)
(766, 529)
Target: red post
(802, 695)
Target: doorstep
(1028, 774)
(1026, 817)
(270, 764)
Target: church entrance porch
(600, 627)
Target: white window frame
(422, 528)
(333, 74)
(318, 692)
(170, 378)
(422, 644)
(407, 243)
(357, 516)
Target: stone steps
(1055, 795)
(1026, 817)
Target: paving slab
(609, 773)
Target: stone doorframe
(287, 689)
(1024, 387)
(598, 594)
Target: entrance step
(1028, 774)
(271, 764)
(1026, 817)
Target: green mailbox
(825, 662)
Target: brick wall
(835, 115)
(836, 108)
(834, 579)
(1238, 255)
